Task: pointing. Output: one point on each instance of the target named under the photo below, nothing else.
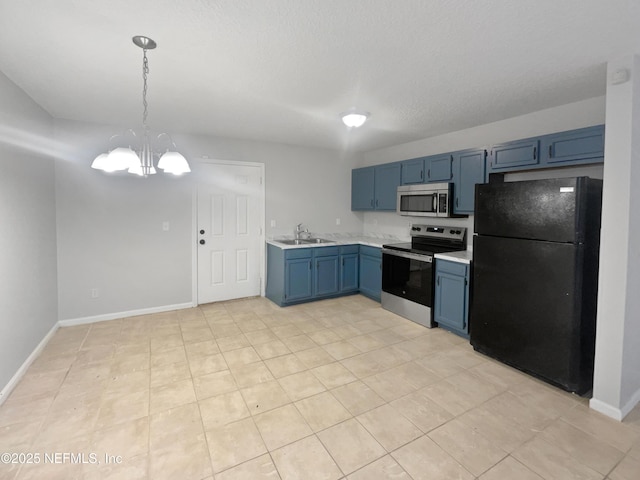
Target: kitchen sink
(316, 240)
(304, 241)
(293, 242)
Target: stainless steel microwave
(426, 200)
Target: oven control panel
(438, 231)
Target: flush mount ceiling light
(139, 155)
(353, 119)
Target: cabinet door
(387, 181)
(349, 272)
(298, 279)
(371, 276)
(515, 154)
(439, 168)
(413, 171)
(585, 145)
(450, 302)
(362, 188)
(469, 168)
(326, 276)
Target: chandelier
(138, 157)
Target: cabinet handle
(421, 174)
(535, 151)
(343, 262)
(376, 202)
(438, 281)
(429, 173)
(457, 201)
(550, 151)
(372, 202)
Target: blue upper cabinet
(512, 155)
(439, 168)
(362, 188)
(387, 181)
(585, 145)
(375, 188)
(468, 170)
(413, 171)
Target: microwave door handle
(435, 203)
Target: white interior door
(229, 233)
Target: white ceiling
(283, 70)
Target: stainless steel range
(407, 270)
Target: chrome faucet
(298, 231)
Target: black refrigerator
(535, 277)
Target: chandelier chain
(145, 72)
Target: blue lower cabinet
(349, 273)
(325, 272)
(298, 279)
(371, 272)
(299, 275)
(451, 297)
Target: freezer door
(528, 309)
(555, 210)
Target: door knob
(201, 232)
(202, 242)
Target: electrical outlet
(273, 223)
(165, 226)
(337, 221)
(95, 293)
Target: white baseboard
(131, 313)
(605, 409)
(8, 388)
(614, 412)
(630, 405)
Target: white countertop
(463, 256)
(339, 239)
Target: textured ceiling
(283, 70)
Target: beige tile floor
(337, 389)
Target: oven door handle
(411, 256)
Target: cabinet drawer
(349, 249)
(371, 251)
(454, 268)
(325, 251)
(297, 253)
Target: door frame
(194, 223)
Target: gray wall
(28, 293)
(110, 233)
